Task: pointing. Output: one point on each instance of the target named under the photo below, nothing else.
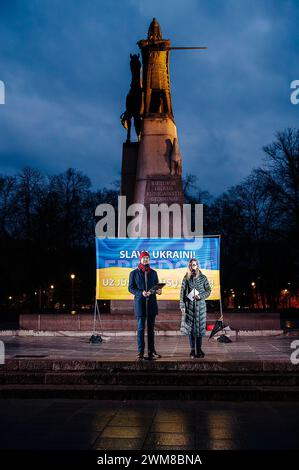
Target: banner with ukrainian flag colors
(117, 257)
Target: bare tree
(282, 160)
(8, 205)
(30, 192)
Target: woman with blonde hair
(193, 307)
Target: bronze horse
(133, 99)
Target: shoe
(200, 353)
(157, 356)
(140, 356)
(192, 354)
(151, 356)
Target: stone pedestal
(158, 178)
(126, 306)
(121, 306)
(157, 137)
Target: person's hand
(145, 293)
(197, 297)
(159, 291)
(183, 310)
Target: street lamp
(73, 277)
(253, 285)
(51, 295)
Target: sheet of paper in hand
(192, 294)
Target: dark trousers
(150, 333)
(195, 342)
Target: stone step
(172, 379)
(150, 378)
(32, 365)
(136, 392)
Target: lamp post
(286, 298)
(51, 295)
(73, 277)
(40, 298)
(253, 285)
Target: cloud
(66, 70)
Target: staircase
(146, 380)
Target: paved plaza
(172, 348)
(82, 424)
(58, 423)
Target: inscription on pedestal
(164, 189)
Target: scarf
(144, 268)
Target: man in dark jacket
(142, 279)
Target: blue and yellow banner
(117, 257)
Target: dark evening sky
(65, 65)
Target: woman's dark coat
(194, 320)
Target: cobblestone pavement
(81, 424)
